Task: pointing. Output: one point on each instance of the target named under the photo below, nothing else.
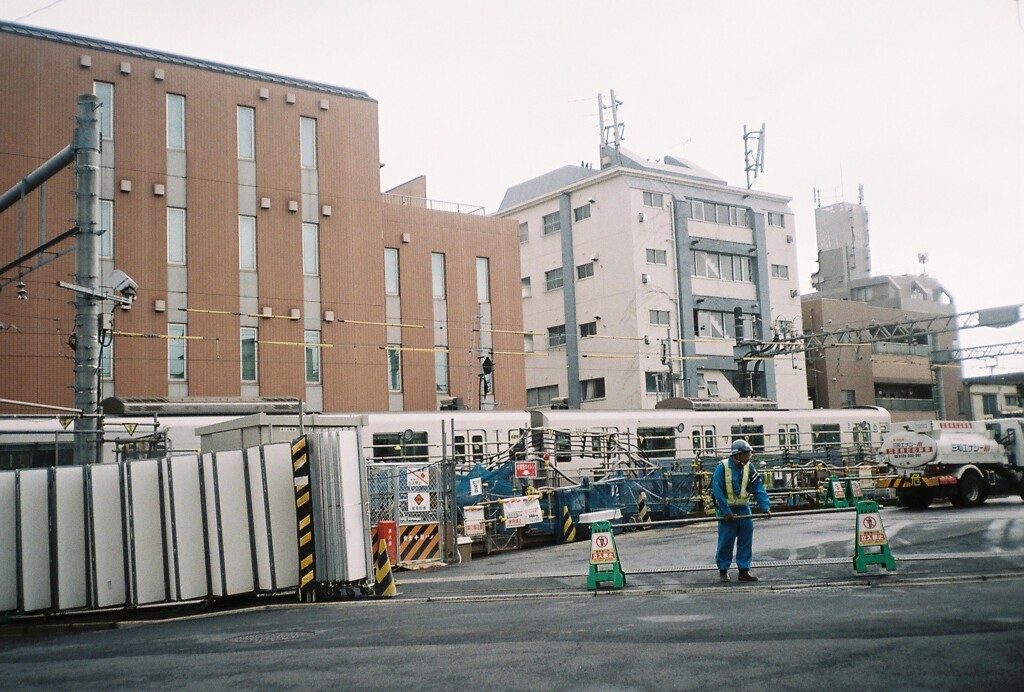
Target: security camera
(123, 284)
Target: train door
(789, 441)
(702, 437)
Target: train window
(478, 448)
(862, 434)
(789, 436)
(403, 446)
(657, 443)
(563, 447)
(459, 448)
(517, 444)
(754, 434)
(825, 435)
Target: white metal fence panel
(34, 539)
(146, 534)
(184, 528)
(107, 522)
(227, 511)
(273, 516)
(8, 542)
(70, 548)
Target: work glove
(729, 517)
(768, 514)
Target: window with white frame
(441, 370)
(524, 232)
(391, 271)
(713, 324)
(526, 289)
(556, 336)
(175, 235)
(776, 219)
(588, 329)
(585, 271)
(104, 91)
(552, 223)
(655, 256)
(250, 357)
(528, 343)
(246, 118)
(581, 213)
(175, 121)
(437, 272)
(312, 340)
(712, 265)
(541, 396)
(394, 368)
(653, 199)
(107, 360)
(177, 352)
(553, 279)
(655, 382)
(724, 214)
(106, 228)
(780, 271)
(483, 280)
(310, 249)
(247, 243)
(592, 389)
(307, 142)
(660, 318)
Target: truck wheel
(915, 501)
(970, 490)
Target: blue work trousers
(738, 533)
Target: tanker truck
(965, 462)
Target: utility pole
(86, 145)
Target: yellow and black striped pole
(568, 527)
(303, 514)
(384, 582)
(643, 513)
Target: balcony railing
(432, 204)
(905, 404)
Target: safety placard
(838, 491)
(418, 477)
(602, 547)
(869, 530)
(521, 511)
(419, 502)
(473, 525)
(526, 469)
(476, 486)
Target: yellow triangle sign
(130, 427)
(65, 421)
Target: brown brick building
(247, 206)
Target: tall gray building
(844, 252)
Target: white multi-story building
(635, 279)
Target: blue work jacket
(755, 487)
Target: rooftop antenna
(611, 135)
(860, 194)
(754, 161)
(922, 257)
(817, 197)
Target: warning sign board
(521, 511)
(476, 486)
(869, 530)
(474, 521)
(838, 491)
(526, 469)
(418, 477)
(602, 548)
(419, 502)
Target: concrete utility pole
(86, 145)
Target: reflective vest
(735, 500)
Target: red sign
(388, 530)
(526, 469)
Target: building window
(653, 199)
(776, 219)
(107, 360)
(246, 133)
(175, 235)
(312, 339)
(106, 228)
(592, 389)
(483, 280)
(524, 233)
(391, 271)
(719, 213)
(247, 242)
(526, 289)
(720, 325)
(394, 368)
(552, 223)
(176, 352)
(541, 396)
(989, 404)
(655, 382)
(660, 318)
(712, 265)
(780, 271)
(441, 370)
(310, 249)
(556, 336)
(656, 256)
(581, 213)
(175, 121)
(847, 398)
(437, 274)
(553, 279)
(585, 271)
(104, 91)
(249, 354)
(307, 142)
(528, 343)
(697, 210)
(588, 329)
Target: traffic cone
(568, 527)
(385, 583)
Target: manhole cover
(262, 637)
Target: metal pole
(86, 146)
(37, 177)
(938, 395)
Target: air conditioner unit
(643, 278)
(793, 293)
(642, 217)
(789, 239)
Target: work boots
(745, 575)
(723, 576)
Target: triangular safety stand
(871, 547)
(604, 556)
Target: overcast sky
(919, 101)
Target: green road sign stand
(604, 558)
(871, 547)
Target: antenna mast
(754, 160)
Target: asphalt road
(951, 617)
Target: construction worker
(732, 484)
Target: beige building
(248, 208)
(633, 274)
(994, 396)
